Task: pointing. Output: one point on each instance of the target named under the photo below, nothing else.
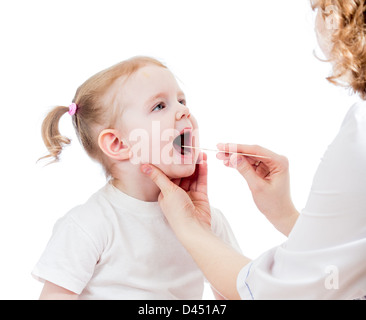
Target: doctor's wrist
(287, 221)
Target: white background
(249, 74)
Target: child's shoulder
(93, 217)
(94, 209)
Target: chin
(179, 171)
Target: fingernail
(236, 160)
(146, 169)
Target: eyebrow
(162, 95)
(155, 97)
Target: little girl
(118, 245)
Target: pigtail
(96, 111)
(52, 138)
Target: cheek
(139, 140)
(140, 150)
(161, 142)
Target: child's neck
(136, 185)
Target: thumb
(246, 170)
(172, 198)
(161, 180)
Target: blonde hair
(348, 53)
(92, 112)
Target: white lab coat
(325, 254)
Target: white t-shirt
(325, 254)
(118, 247)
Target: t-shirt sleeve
(324, 256)
(221, 228)
(69, 258)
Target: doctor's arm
(186, 207)
(219, 262)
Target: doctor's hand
(268, 180)
(183, 201)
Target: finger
(246, 170)
(201, 157)
(172, 199)
(222, 156)
(262, 170)
(193, 178)
(252, 161)
(234, 147)
(189, 183)
(185, 183)
(248, 149)
(161, 180)
(200, 185)
(226, 159)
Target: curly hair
(348, 53)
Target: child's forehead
(141, 86)
(152, 74)
(146, 82)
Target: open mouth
(184, 139)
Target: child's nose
(182, 112)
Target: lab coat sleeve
(325, 254)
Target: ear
(111, 144)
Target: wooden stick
(244, 154)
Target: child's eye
(183, 102)
(160, 106)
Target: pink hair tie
(72, 109)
